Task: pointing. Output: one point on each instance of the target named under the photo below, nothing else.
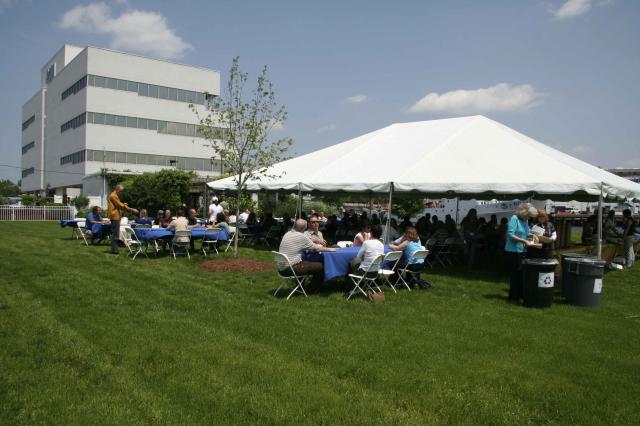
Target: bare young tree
(238, 128)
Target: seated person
(221, 222)
(167, 218)
(409, 245)
(143, 218)
(180, 223)
(192, 218)
(95, 218)
(369, 250)
(313, 231)
(293, 245)
(363, 235)
(158, 220)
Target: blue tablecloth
(148, 234)
(337, 263)
(73, 223)
(100, 230)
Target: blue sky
(564, 72)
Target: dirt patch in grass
(235, 265)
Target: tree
(8, 188)
(244, 145)
(166, 189)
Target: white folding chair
(405, 272)
(392, 258)
(132, 243)
(448, 251)
(210, 239)
(180, 241)
(367, 280)
(81, 230)
(286, 272)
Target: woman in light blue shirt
(516, 246)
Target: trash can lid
(540, 261)
(587, 261)
(578, 255)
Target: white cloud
(329, 128)
(356, 99)
(135, 30)
(573, 8)
(503, 97)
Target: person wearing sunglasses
(313, 231)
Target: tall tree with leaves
(238, 128)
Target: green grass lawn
(90, 338)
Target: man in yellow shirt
(114, 213)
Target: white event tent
(467, 157)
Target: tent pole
(387, 227)
(599, 227)
(457, 209)
(299, 206)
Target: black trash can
(538, 280)
(567, 279)
(585, 281)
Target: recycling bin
(585, 281)
(567, 283)
(538, 280)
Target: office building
(100, 110)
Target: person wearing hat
(214, 209)
(114, 213)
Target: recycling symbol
(548, 280)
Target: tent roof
(466, 157)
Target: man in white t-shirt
(214, 209)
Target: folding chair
(280, 260)
(181, 240)
(448, 252)
(81, 230)
(132, 243)
(272, 235)
(392, 258)
(440, 251)
(430, 245)
(368, 280)
(411, 273)
(244, 233)
(210, 239)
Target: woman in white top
(370, 249)
(363, 235)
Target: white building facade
(100, 110)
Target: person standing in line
(518, 232)
(114, 213)
(627, 237)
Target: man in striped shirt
(294, 244)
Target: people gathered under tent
(628, 237)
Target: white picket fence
(37, 213)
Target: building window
(164, 127)
(148, 90)
(28, 146)
(75, 158)
(27, 123)
(74, 123)
(182, 163)
(27, 172)
(75, 88)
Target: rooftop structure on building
(101, 110)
